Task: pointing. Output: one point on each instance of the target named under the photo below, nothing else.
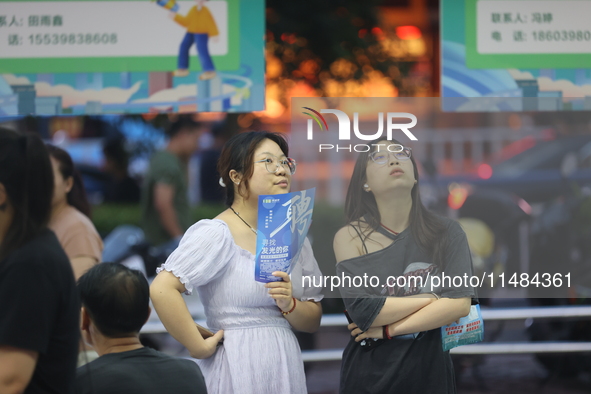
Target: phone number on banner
(65, 39)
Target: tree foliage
(331, 42)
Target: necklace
(390, 230)
(249, 226)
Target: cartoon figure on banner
(200, 26)
(168, 4)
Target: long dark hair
(77, 195)
(427, 228)
(238, 154)
(25, 172)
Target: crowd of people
(61, 306)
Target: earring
(366, 188)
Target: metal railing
(338, 320)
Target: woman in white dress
(260, 353)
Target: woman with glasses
(395, 324)
(260, 353)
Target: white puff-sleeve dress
(260, 353)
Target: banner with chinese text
(134, 56)
(523, 55)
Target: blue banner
(283, 223)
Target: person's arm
(438, 314)
(397, 308)
(165, 293)
(304, 316)
(347, 245)
(180, 19)
(163, 202)
(81, 264)
(16, 369)
(455, 301)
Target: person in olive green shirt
(165, 205)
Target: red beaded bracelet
(291, 310)
(385, 332)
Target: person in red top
(200, 26)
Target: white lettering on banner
(300, 213)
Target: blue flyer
(469, 330)
(283, 223)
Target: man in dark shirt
(115, 306)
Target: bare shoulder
(352, 231)
(347, 243)
(346, 234)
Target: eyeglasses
(272, 164)
(398, 151)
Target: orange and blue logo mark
(316, 115)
